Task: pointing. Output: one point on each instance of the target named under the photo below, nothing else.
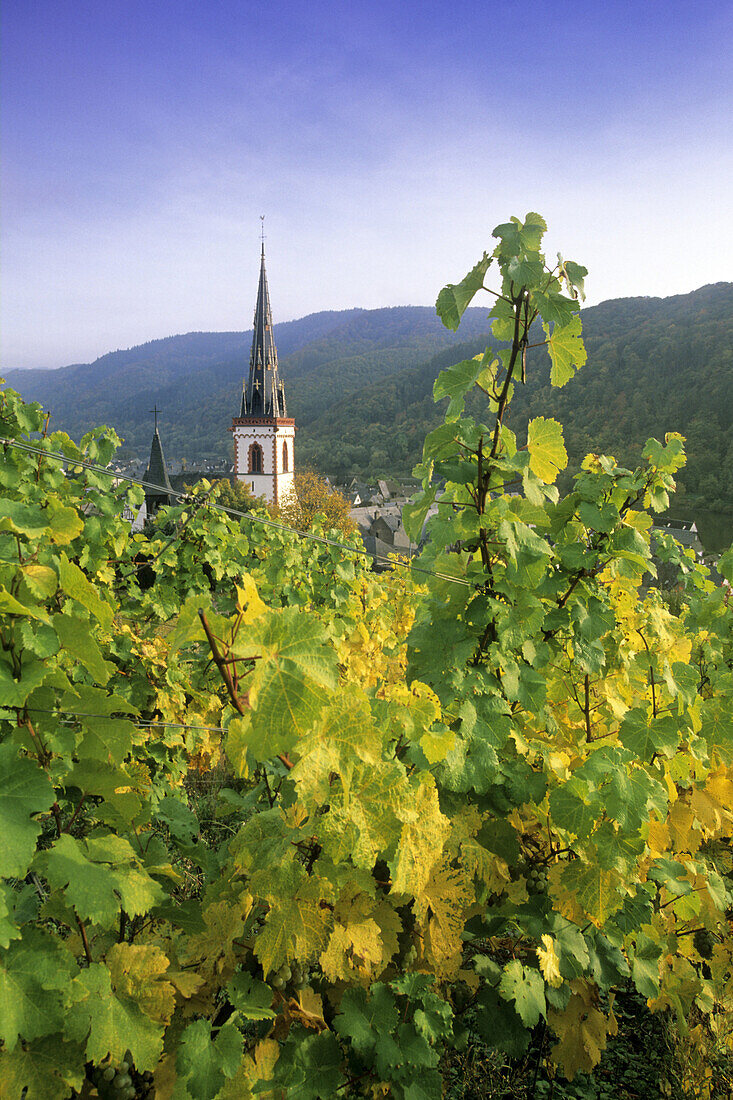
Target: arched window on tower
(255, 459)
(285, 458)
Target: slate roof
(157, 475)
(263, 394)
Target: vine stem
(539, 1058)
(41, 751)
(241, 705)
(84, 940)
(586, 708)
(75, 814)
(651, 675)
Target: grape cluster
(293, 976)
(116, 1082)
(536, 877)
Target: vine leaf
(526, 989)
(75, 584)
(46, 1068)
(33, 973)
(455, 298)
(99, 876)
(546, 446)
(581, 1029)
(76, 637)
(309, 1066)
(11, 606)
(138, 972)
(421, 842)
(204, 1060)
(296, 925)
(549, 962)
(455, 382)
(24, 790)
(363, 1018)
(250, 997)
(291, 680)
(565, 348)
(111, 1025)
(440, 910)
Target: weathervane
(262, 231)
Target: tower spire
(263, 394)
(158, 487)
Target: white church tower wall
(263, 458)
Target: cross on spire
(262, 232)
(155, 410)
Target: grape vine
(277, 826)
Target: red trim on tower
(276, 421)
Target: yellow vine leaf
(214, 947)
(682, 834)
(344, 736)
(549, 962)
(546, 446)
(588, 892)
(249, 604)
(658, 838)
(437, 743)
(165, 1077)
(440, 911)
(489, 869)
(423, 836)
(187, 982)
(292, 1011)
(581, 1029)
(255, 1071)
(363, 939)
(296, 926)
(352, 952)
(138, 973)
(364, 818)
(680, 985)
(713, 804)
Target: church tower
(264, 434)
(158, 490)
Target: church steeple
(156, 475)
(263, 393)
(264, 434)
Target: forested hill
(654, 365)
(196, 379)
(360, 384)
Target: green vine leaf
(454, 299)
(565, 348)
(25, 790)
(526, 989)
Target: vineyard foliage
(505, 790)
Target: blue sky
(142, 139)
